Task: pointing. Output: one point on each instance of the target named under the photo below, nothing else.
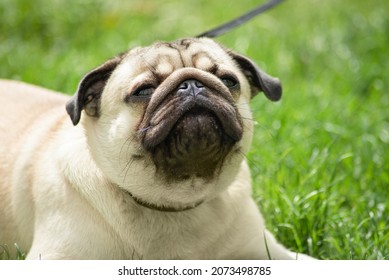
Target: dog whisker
(126, 144)
(249, 119)
(242, 104)
(126, 155)
(127, 169)
(249, 128)
(142, 130)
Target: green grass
(320, 157)
(6, 252)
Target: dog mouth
(196, 145)
(191, 134)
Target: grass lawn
(320, 157)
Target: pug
(146, 162)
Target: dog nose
(190, 87)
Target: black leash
(220, 30)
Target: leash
(221, 29)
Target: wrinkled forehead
(162, 58)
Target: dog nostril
(184, 85)
(198, 84)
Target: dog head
(170, 123)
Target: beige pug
(151, 165)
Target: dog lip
(157, 130)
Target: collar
(159, 207)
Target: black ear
(259, 80)
(89, 91)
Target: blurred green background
(320, 157)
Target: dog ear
(89, 91)
(259, 80)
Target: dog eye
(229, 81)
(140, 94)
(144, 91)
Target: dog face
(170, 123)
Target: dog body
(150, 166)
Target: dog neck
(161, 208)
